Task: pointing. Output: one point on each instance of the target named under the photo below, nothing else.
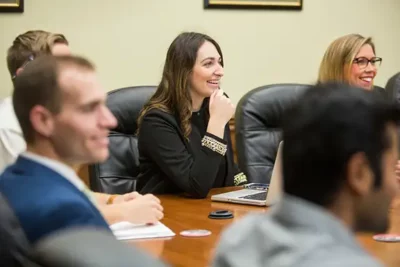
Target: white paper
(127, 230)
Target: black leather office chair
(118, 174)
(86, 247)
(258, 127)
(15, 249)
(393, 93)
(393, 88)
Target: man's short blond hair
(31, 43)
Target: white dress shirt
(12, 142)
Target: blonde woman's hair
(335, 65)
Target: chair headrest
(126, 104)
(393, 88)
(258, 127)
(264, 106)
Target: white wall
(128, 39)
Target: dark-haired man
(339, 153)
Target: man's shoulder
(337, 257)
(48, 203)
(56, 212)
(41, 193)
(33, 179)
(6, 104)
(257, 239)
(249, 230)
(252, 241)
(8, 119)
(12, 141)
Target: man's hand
(126, 197)
(133, 207)
(143, 209)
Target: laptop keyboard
(259, 196)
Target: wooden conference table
(182, 214)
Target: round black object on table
(220, 214)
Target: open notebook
(127, 230)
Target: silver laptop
(258, 197)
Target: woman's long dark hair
(173, 94)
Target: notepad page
(127, 230)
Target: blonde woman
(350, 59)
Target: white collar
(64, 170)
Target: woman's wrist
(216, 127)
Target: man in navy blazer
(60, 106)
(25, 47)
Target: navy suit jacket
(44, 201)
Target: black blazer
(169, 163)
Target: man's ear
(42, 120)
(18, 72)
(360, 176)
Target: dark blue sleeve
(67, 215)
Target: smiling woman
(350, 59)
(12, 6)
(184, 139)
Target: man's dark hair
(38, 84)
(324, 129)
